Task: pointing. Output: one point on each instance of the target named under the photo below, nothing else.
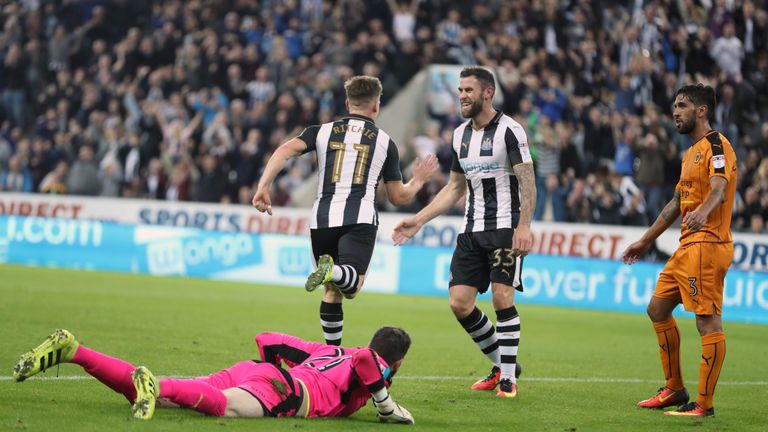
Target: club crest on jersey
(697, 158)
(487, 144)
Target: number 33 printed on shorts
(504, 260)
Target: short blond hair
(362, 90)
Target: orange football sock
(669, 351)
(712, 356)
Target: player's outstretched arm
(444, 200)
(668, 215)
(290, 149)
(400, 193)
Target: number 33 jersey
(352, 155)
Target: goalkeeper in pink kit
(318, 381)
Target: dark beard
(474, 109)
(687, 127)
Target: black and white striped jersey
(352, 155)
(486, 158)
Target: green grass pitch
(582, 370)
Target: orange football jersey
(712, 155)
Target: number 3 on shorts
(694, 290)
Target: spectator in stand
(728, 51)
(750, 207)
(55, 181)
(159, 73)
(427, 143)
(14, 72)
(671, 172)
(111, 177)
(718, 16)
(17, 177)
(606, 207)
(598, 138)
(261, 89)
(157, 181)
(724, 115)
(625, 96)
(624, 159)
(650, 171)
(547, 165)
(217, 138)
(403, 18)
(211, 185)
(180, 182)
(633, 211)
(83, 178)
(450, 28)
(748, 169)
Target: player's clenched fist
(261, 200)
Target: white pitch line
(569, 379)
(443, 378)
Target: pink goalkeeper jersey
(339, 380)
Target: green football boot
(147, 390)
(321, 275)
(57, 348)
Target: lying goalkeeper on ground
(321, 380)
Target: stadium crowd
(186, 100)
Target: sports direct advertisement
(561, 239)
(591, 283)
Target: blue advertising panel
(93, 245)
(66, 243)
(192, 252)
(584, 283)
(286, 260)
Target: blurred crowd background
(186, 100)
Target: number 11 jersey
(352, 156)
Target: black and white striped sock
(347, 283)
(508, 331)
(482, 332)
(332, 321)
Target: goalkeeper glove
(391, 412)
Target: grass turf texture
(193, 327)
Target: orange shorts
(695, 276)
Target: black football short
(348, 244)
(484, 257)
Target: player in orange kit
(695, 274)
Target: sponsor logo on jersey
(485, 167)
(525, 152)
(718, 161)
